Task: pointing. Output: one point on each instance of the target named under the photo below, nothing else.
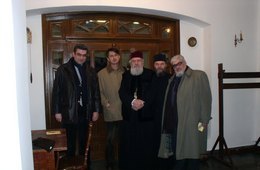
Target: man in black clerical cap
(160, 64)
(157, 93)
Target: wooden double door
(100, 31)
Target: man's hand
(108, 105)
(202, 126)
(137, 104)
(95, 116)
(58, 117)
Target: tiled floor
(245, 161)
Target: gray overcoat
(194, 106)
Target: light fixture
(168, 30)
(101, 21)
(29, 42)
(238, 40)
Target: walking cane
(90, 125)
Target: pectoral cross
(135, 94)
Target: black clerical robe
(136, 132)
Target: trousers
(111, 141)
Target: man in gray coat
(186, 114)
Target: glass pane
(146, 55)
(92, 26)
(100, 60)
(125, 58)
(134, 27)
(53, 73)
(56, 30)
(57, 57)
(166, 32)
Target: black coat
(155, 104)
(128, 87)
(65, 95)
(136, 130)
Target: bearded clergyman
(135, 147)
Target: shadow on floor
(245, 161)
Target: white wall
(35, 53)
(15, 129)
(257, 112)
(193, 55)
(214, 24)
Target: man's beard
(179, 74)
(160, 73)
(136, 71)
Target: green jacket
(194, 106)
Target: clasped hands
(137, 104)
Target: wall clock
(192, 41)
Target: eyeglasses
(176, 65)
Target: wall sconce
(238, 40)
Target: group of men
(160, 119)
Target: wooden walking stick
(90, 125)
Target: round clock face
(192, 41)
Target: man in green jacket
(186, 114)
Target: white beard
(136, 71)
(179, 74)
